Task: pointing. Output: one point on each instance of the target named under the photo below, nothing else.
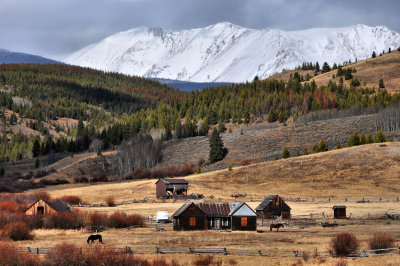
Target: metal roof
(265, 202)
(59, 205)
(169, 181)
(339, 207)
(212, 209)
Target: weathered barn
(272, 207)
(339, 211)
(166, 188)
(42, 207)
(218, 216)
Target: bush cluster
(116, 220)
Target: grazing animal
(277, 226)
(95, 237)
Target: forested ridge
(116, 107)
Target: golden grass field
(369, 171)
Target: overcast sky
(53, 27)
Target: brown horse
(95, 237)
(277, 226)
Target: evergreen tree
(381, 84)
(285, 153)
(80, 128)
(381, 136)
(347, 74)
(354, 140)
(2, 172)
(369, 139)
(334, 67)
(216, 147)
(13, 119)
(338, 146)
(325, 67)
(315, 148)
(37, 163)
(317, 67)
(203, 131)
(36, 148)
(221, 127)
(373, 54)
(339, 71)
(363, 140)
(323, 146)
(390, 50)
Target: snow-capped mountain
(225, 52)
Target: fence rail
(229, 251)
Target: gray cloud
(51, 27)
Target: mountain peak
(226, 52)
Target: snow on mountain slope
(225, 52)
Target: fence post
(260, 252)
(37, 250)
(29, 249)
(191, 250)
(158, 251)
(225, 251)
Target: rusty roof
(169, 181)
(212, 209)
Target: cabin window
(176, 221)
(192, 221)
(243, 221)
(225, 222)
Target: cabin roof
(339, 207)
(215, 209)
(170, 181)
(267, 201)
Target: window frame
(243, 221)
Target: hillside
(225, 52)
(8, 57)
(370, 71)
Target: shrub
(71, 199)
(245, 162)
(17, 231)
(158, 174)
(97, 219)
(64, 220)
(110, 201)
(344, 244)
(9, 255)
(70, 254)
(100, 178)
(43, 195)
(186, 170)
(121, 220)
(204, 260)
(341, 262)
(81, 179)
(381, 240)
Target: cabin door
(40, 210)
(217, 223)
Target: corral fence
(230, 251)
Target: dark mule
(95, 237)
(277, 226)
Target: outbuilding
(166, 188)
(42, 207)
(272, 207)
(339, 211)
(217, 216)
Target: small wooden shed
(166, 188)
(273, 206)
(339, 211)
(42, 207)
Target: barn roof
(173, 181)
(58, 205)
(266, 201)
(215, 209)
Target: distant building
(273, 207)
(218, 216)
(166, 188)
(339, 212)
(42, 207)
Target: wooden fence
(231, 251)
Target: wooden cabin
(166, 188)
(215, 216)
(339, 212)
(273, 207)
(42, 207)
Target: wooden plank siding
(161, 189)
(182, 222)
(36, 207)
(251, 223)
